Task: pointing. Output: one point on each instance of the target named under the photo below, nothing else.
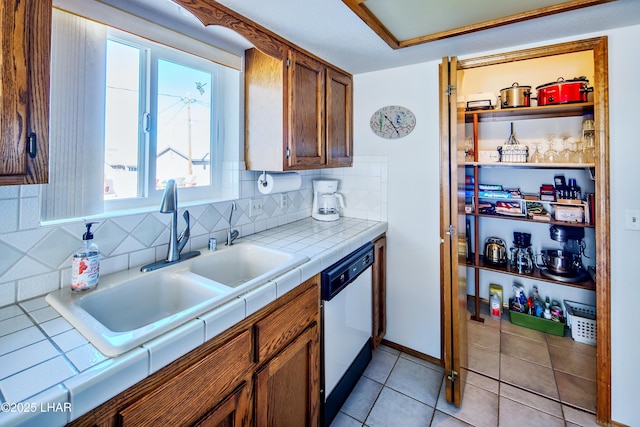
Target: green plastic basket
(537, 323)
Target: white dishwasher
(346, 327)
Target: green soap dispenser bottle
(85, 264)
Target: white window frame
(151, 54)
(229, 142)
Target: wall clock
(392, 122)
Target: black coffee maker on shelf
(521, 259)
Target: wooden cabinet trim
(379, 297)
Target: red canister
(563, 91)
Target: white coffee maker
(326, 200)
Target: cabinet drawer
(278, 329)
(192, 393)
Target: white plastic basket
(581, 318)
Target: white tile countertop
(50, 374)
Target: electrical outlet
(255, 207)
(284, 201)
(632, 219)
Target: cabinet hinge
(450, 231)
(288, 152)
(32, 146)
(450, 89)
(288, 63)
(453, 375)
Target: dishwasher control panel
(343, 272)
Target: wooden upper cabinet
(306, 94)
(339, 121)
(298, 113)
(25, 34)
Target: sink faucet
(169, 204)
(231, 234)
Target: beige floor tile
(507, 326)
(525, 348)
(577, 417)
(515, 414)
(569, 362)
(530, 376)
(531, 400)
(576, 391)
(483, 382)
(479, 407)
(569, 344)
(483, 335)
(440, 419)
(484, 361)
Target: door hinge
(288, 63)
(450, 231)
(32, 146)
(288, 152)
(453, 375)
(450, 89)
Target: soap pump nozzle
(88, 235)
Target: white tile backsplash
(36, 259)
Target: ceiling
(332, 31)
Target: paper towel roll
(269, 183)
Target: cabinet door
(25, 35)
(186, 397)
(287, 387)
(339, 119)
(232, 411)
(306, 138)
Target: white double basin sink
(130, 308)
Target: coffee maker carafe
(326, 200)
(521, 259)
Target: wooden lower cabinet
(287, 387)
(183, 398)
(232, 411)
(264, 371)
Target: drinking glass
(566, 155)
(536, 157)
(551, 155)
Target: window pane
(184, 125)
(121, 119)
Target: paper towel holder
(262, 180)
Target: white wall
(624, 65)
(413, 264)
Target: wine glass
(579, 154)
(566, 155)
(551, 155)
(537, 156)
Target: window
(130, 114)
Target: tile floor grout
(394, 393)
